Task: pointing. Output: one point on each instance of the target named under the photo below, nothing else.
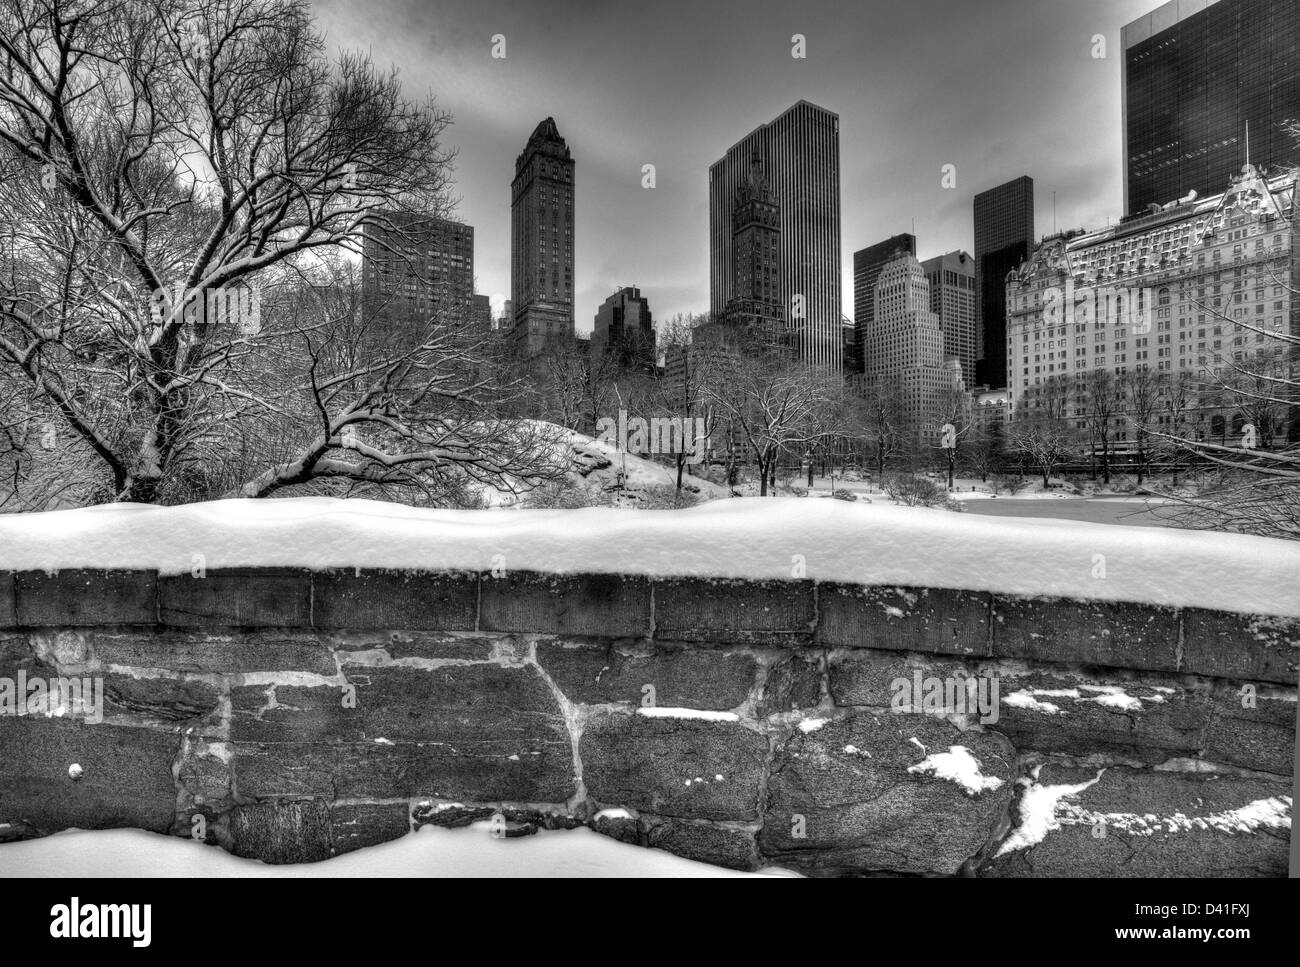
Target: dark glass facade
(1004, 237)
(867, 263)
(800, 156)
(1194, 75)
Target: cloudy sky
(998, 88)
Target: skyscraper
(417, 268)
(952, 298)
(625, 329)
(867, 263)
(541, 248)
(1203, 288)
(904, 344)
(1004, 237)
(1196, 73)
(799, 153)
(483, 311)
(756, 255)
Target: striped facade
(800, 153)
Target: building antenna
(1247, 143)
(1053, 213)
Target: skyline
(676, 85)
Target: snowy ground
(773, 538)
(599, 470)
(430, 852)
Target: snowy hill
(600, 473)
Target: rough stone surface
(358, 825)
(727, 846)
(270, 597)
(126, 779)
(688, 768)
(1261, 737)
(793, 682)
(79, 598)
(519, 821)
(1156, 824)
(477, 732)
(867, 676)
(607, 605)
(205, 776)
(904, 619)
(624, 828)
(168, 699)
(423, 688)
(8, 615)
(287, 832)
(221, 652)
(1150, 719)
(717, 609)
(455, 647)
(395, 599)
(1250, 647)
(1117, 634)
(293, 713)
(843, 798)
(16, 655)
(599, 672)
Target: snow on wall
(755, 538)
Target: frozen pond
(1128, 511)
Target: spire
(755, 186)
(545, 131)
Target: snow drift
(772, 538)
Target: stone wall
(303, 715)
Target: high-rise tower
(799, 153)
(1197, 75)
(541, 244)
(1004, 237)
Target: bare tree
(1103, 403)
(1257, 490)
(1179, 402)
(1040, 429)
(886, 427)
(358, 404)
(952, 408)
(1141, 388)
(156, 152)
(777, 405)
(689, 371)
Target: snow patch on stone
(959, 766)
(705, 715)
